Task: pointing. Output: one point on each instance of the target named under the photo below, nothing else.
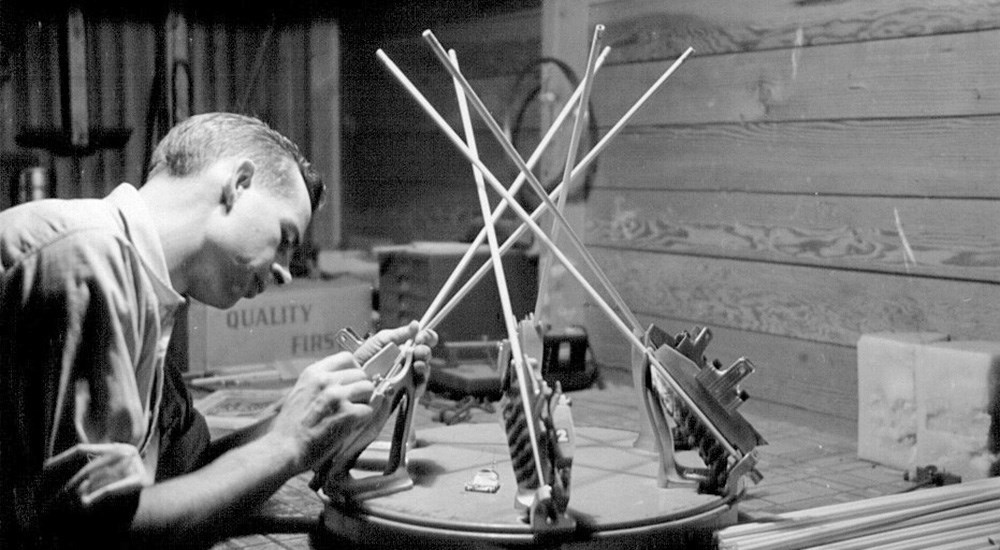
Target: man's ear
(239, 180)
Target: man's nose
(281, 274)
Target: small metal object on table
(616, 501)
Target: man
(98, 443)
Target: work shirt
(86, 313)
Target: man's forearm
(238, 438)
(203, 502)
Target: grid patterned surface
(807, 462)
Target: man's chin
(217, 301)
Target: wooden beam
(76, 78)
(932, 157)
(178, 66)
(820, 304)
(566, 37)
(950, 238)
(324, 128)
(940, 75)
(654, 29)
(815, 377)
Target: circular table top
(613, 492)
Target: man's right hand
(328, 403)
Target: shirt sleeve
(185, 438)
(90, 326)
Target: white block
(887, 408)
(957, 384)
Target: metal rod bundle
(529, 219)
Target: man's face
(249, 245)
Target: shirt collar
(138, 226)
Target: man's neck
(179, 215)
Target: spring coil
(711, 452)
(519, 442)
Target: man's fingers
(360, 391)
(372, 345)
(427, 337)
(356, 392)
(336, 402)
(422, 371)
(343, 377)
(422, 352)
(396, 335)
(357, 410)
(336, 362)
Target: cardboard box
(285, 328)
(412, 275)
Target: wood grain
(821, 378)
(649, 29)
(941, 75)
(948, 238)
(933, 157)
(832, 306)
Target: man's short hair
(197, 141)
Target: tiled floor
(807, 462)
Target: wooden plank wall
(262, 67)
(403, 179)
(815, 171)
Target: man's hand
(417, 356)
(327, 404)
(423, 341)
